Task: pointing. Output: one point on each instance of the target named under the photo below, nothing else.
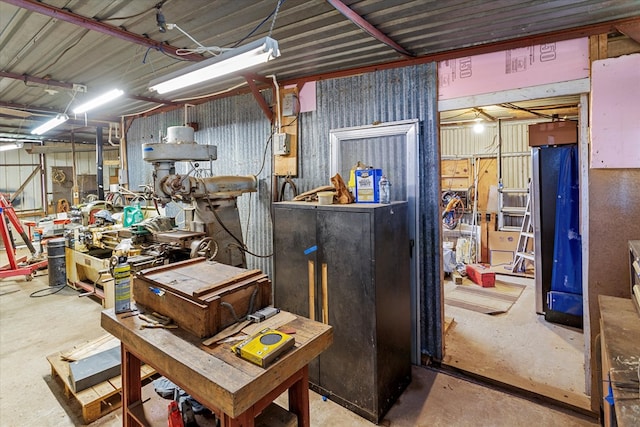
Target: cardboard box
(481, 275)
(553, 133)
(497, 257)
(502, 246)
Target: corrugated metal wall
(240, 130)
(515, 155)
(462, 141)
(17, 165)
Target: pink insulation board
(615, 112)
(512, 69)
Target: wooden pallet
(98, 400)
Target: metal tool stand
(16, 266)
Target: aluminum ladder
(522, 255)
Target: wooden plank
(102, 343)
(95, 401)
(487, 177)
(620, 334)
(229, 281)
(215, 376)
(456, 174)
(187, 279)
(288, 165)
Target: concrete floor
(32, 328)
(519, 348)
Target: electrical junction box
(281, 144)
(289, 104)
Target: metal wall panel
(462, 141)
(240, 130)
(17, 165)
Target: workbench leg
(131, 385)
(299, 398)
(246, 419)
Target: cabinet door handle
(312, 289)
(325, 295)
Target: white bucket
(325, 197)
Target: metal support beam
(259, 98)
(368, 28)
(99, 163)
(82, 21)
(50, 82)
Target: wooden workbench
(235, 389)
(620, 340)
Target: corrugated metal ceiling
(315, 40)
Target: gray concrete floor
(32, 328)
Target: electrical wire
(275, 11)
(49, 291)
(157, 6)
(264, 153)
(239, 244)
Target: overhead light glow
(247, 56)
(96, 102)
(11, 146)
(57, 120)
(478, 127)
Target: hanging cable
(239, 42)
(275, 15)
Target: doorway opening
(498, 331)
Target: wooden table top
(214, 375)
(621, 331)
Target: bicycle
(453, 211)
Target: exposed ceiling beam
(259, 98)
(91, 24)
(31, 79)
(525, 41)
(484, 113)
(368, 27)
(50, 82)
(33, 109)
(631, 30)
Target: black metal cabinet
(348, 266)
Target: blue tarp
(566, 275)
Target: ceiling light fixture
(57, 120)
(478, 127)
(249, 55)
(11, 146)
(96, 102)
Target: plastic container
(384, 187)
(325, 197)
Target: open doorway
(499, 332)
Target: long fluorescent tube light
(11, 146)
(96, 102)
(249, 55)
(57, 120)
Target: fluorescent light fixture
(96, 102)
(11, 146)
(249, 55)
(57, 120)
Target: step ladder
(506, 211)
(522, 255)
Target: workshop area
(319, 213)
